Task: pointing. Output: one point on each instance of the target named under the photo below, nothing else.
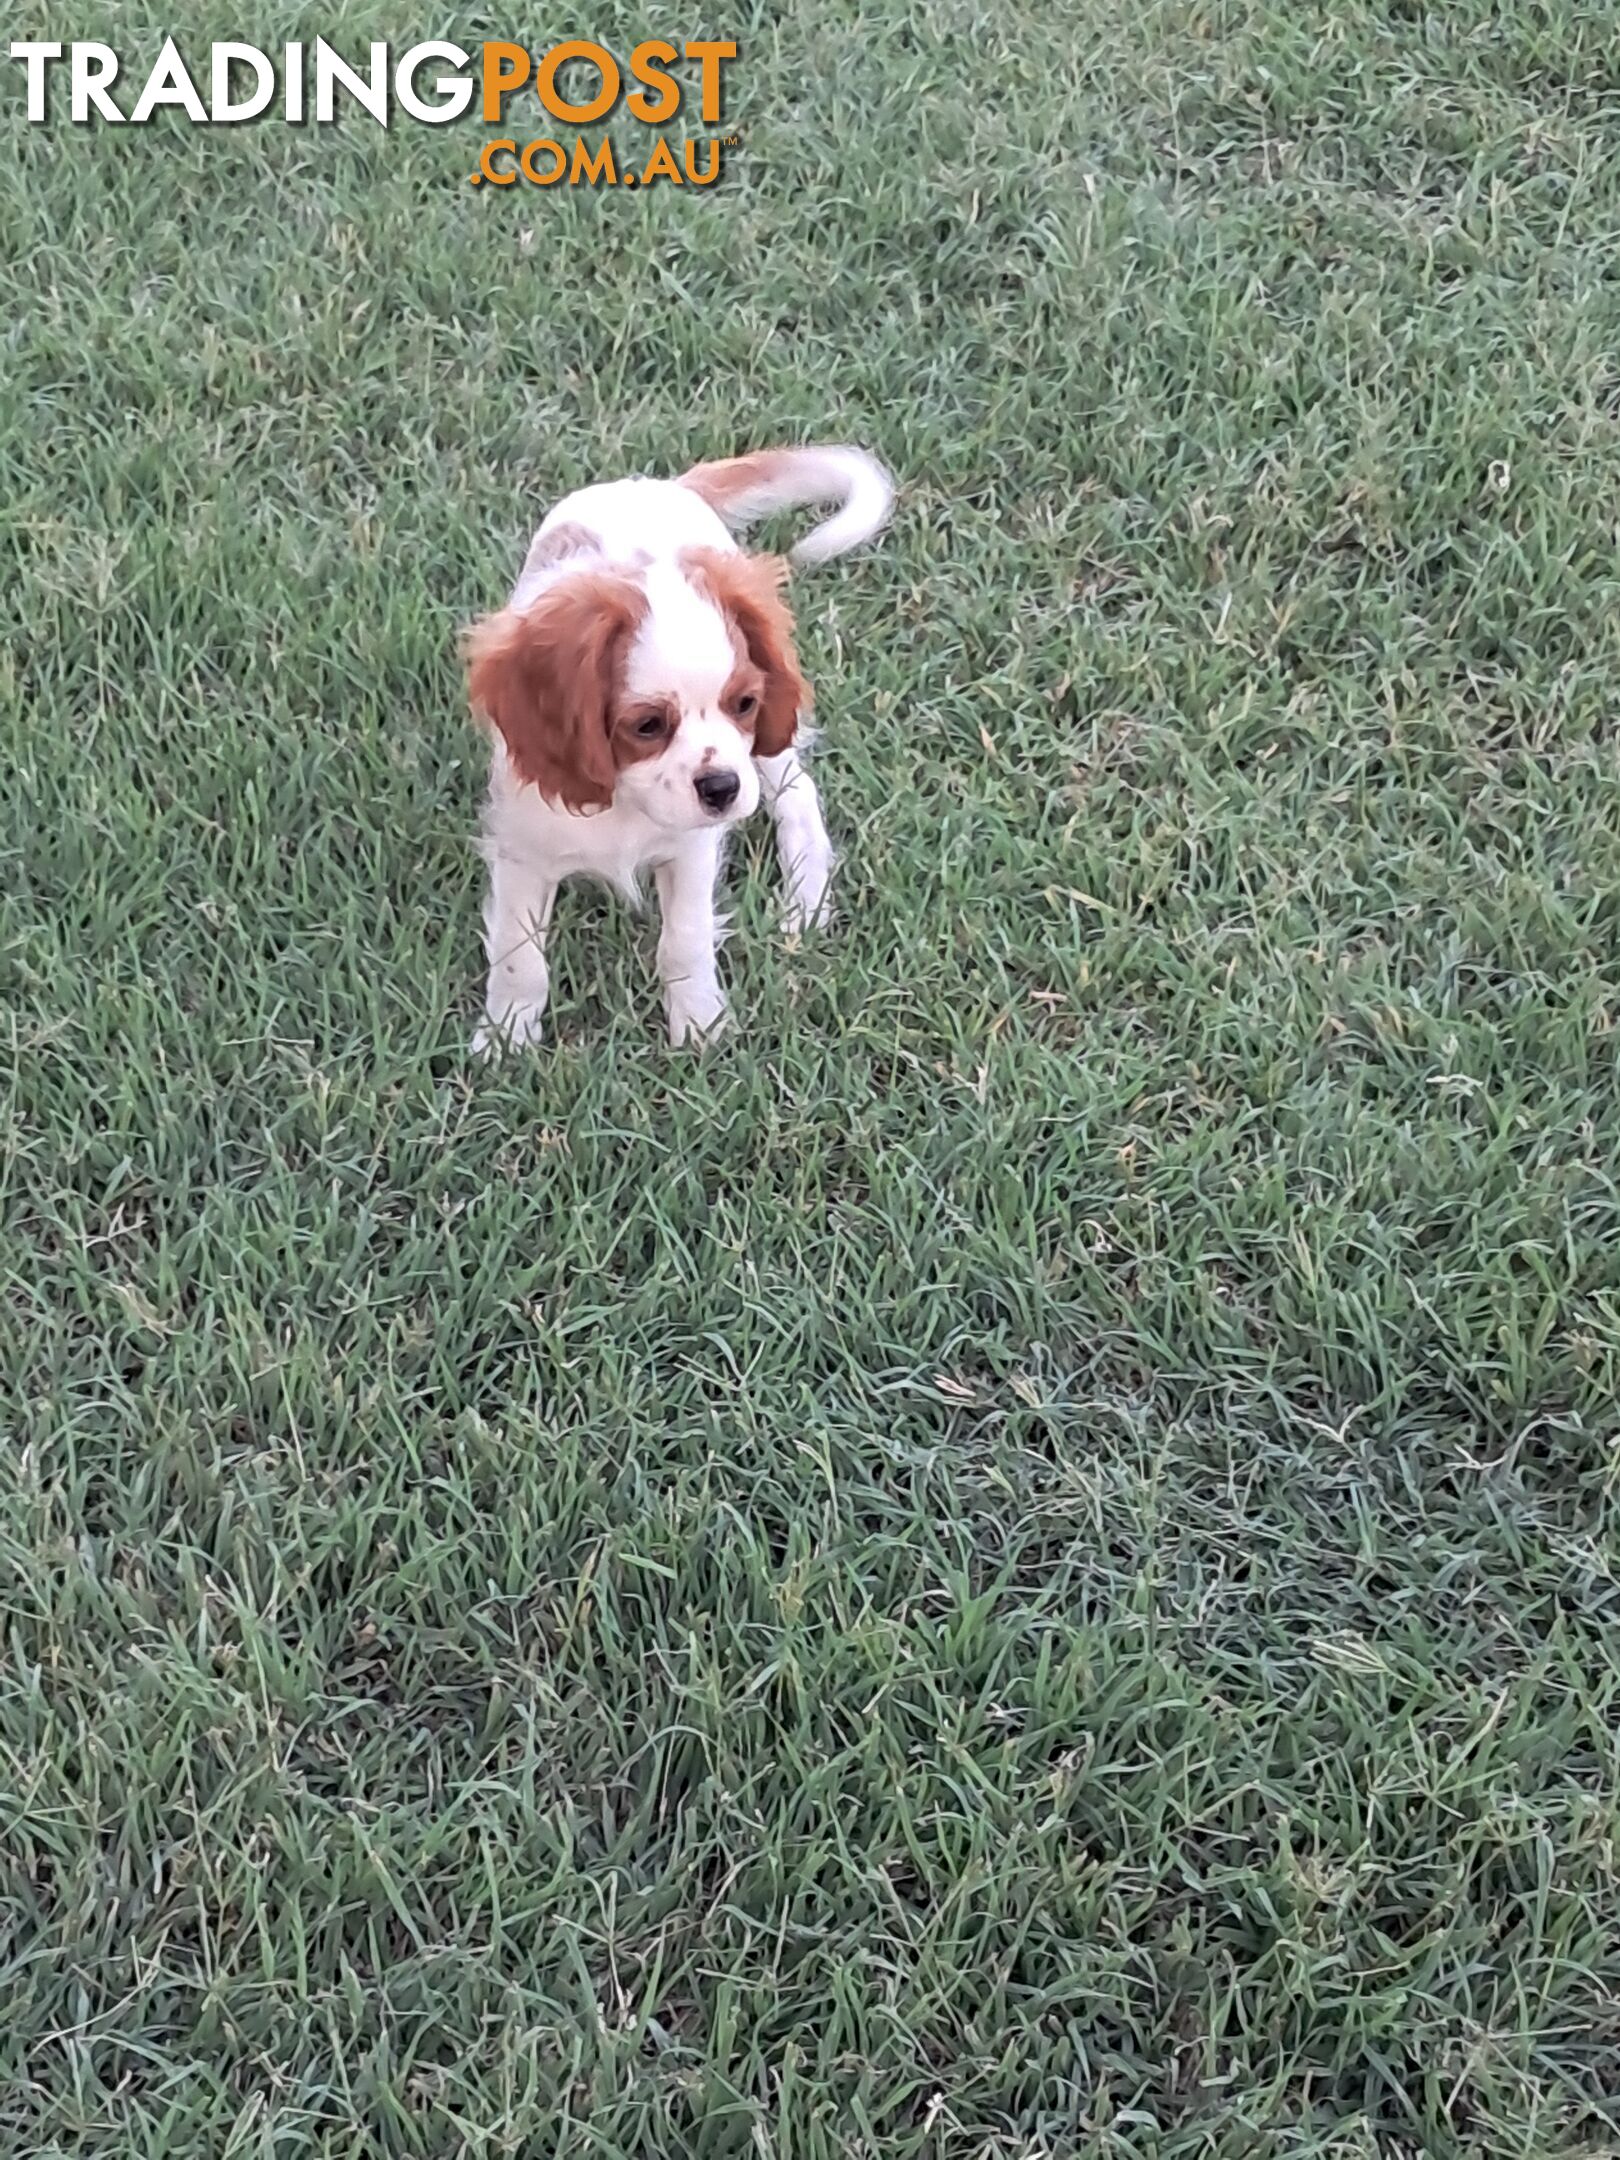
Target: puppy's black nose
(717, 790)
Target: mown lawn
(1019, 1561)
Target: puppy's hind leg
(802, 845)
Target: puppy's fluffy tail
(745, 488)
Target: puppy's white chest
(615, 844)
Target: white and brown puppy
(642, 692)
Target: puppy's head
(657, 690)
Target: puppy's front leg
(693, 1000)
(517, 917)
(802, 846)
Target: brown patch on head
(743, 699)
(547, 678)
(747, 588)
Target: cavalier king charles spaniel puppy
(642, 692)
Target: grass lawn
(1020, 1560)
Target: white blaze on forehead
(684, 645)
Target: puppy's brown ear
(749, 588)
(544, 678)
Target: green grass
(1019, 1561)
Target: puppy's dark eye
(648, 725)
(747, 705)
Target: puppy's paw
(809, 891)
(516, 1027)
(696, 1013)
(807, 911)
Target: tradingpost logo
(578, 84)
